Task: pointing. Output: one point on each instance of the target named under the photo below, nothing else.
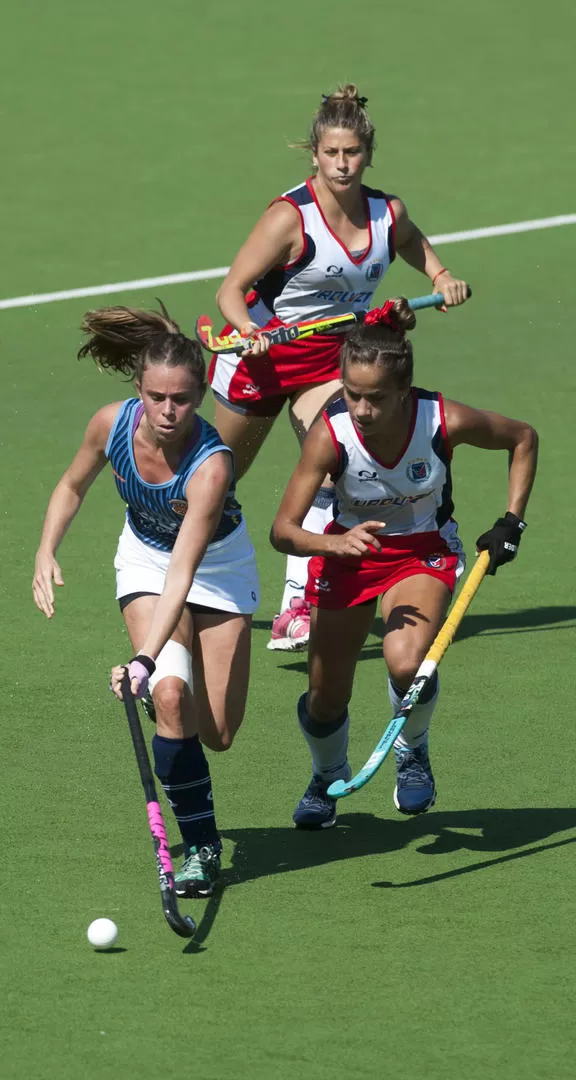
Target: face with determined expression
(340, 159)
(170, 396)
(375, 400)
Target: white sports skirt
(226, 578)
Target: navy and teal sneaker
(316, 810)
(415, 791)
(199, 871)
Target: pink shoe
(291, 629)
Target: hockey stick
(182, 925)
(425, 672)
(280, 335)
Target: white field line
(221, 271)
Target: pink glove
(141, 668)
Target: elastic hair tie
(362, 101)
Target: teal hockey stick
(427, 668)
(280, 335)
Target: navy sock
(182, 769)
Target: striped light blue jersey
(155, 511)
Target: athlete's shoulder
(101, 424)
(281, 218)
(320, 447)
(212, 470)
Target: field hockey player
(186, 578)
(388, 446)
(320, 249)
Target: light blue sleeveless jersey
(155, 511)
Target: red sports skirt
(262, 384)
(344, 582)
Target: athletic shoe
(415, 791)
(148, 706)
(199, 872)
(291, 629)
(316, 810)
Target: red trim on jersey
(289, 265)
(406, 444)
(334, 440)
(335, 583)
(444, 428)
(359, 259)
(392, 253)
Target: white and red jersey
(326, 278)
(411, 495)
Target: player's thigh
(413, 611)
(336, 638)
(138, 616)
(243, 433)
(221, 665)
(306, 405)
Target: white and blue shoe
(415, 791)
(316, 810)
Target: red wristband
(442, 270)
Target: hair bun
(403, 314)
(347, 92)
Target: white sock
(318, 517)
(296, 578)
(328, 743)
(415, 730)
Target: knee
(403, 668)
(169, 699)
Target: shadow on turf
(526, 621)
(196, 945)
(264, 852)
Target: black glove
(501, 541)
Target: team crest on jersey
(374, 271)
(435, 562)
(322, 585)
(179, 506)
(418, 471)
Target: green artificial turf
(141, 140)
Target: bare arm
(418, 252)
(65, 503)
(319, 458)
(275, 240)
(206, 493)
(491, 431)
